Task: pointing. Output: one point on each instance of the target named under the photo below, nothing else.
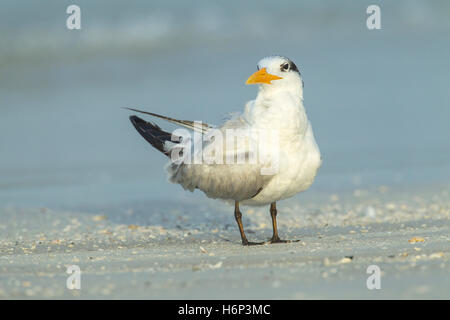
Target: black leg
(238, 216)
(275, 237)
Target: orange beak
(261, 76)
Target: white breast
(299, 155)
(299, 163)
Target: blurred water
(378, 100)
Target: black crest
(288, 66)
(293, 66)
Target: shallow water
(378, 100)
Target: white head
(277, 74)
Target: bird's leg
(238, 216)
(273, 214)
(275, 237)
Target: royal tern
(291, 152)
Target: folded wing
(226, 170)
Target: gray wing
(223, 179)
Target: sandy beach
(80, 187)
(125, 253)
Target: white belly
(298, 166)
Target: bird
(283, 164)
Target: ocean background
(378, 100)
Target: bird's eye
(285, 67)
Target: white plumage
(278, 106)
(284, 163)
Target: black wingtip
(141, 125)
(135, 120)
(151, 133)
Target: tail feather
(152, 133)
(185, 123)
